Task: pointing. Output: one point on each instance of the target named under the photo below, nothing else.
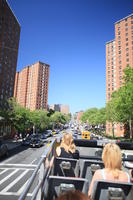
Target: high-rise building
(119, 54)
(31, 86)
(60, 108)
(9, 43)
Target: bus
(85, 135)
(46, 183)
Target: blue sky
(70, 35)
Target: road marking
(15, 168)
(3, 171)
(24, 165)
(14, 194)
(22, 188)
(14, 182)
(4, 179)
(33, 161)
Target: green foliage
(39, 119)
(94, 116)
(120, 107)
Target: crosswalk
(14, 178)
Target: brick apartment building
(119, 54)
(31, 86)
(9, 43)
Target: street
(16, 169)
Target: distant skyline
(70, 35)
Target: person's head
(112, 157)
(67, 142)
(73, 195)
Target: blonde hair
(67, 143)
(112, 158)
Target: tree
(94, 116)
(120, 107)
(39, 119)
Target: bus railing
(49, 152)
(46, 154)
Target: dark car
(48, 133)
(26, 141)
(3, 149)
(43, 137)
(36, 142)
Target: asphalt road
(16, 169)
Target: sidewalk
(12, 144)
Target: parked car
(48, 133)
(43, 137)
(3, 149)
(36, 142)
(26, 141)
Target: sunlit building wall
(119, 54)
(31, 86)
(9, 43)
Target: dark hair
(73, 195)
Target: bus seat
(58, 184)
(66, 167)
(89, 167)
(109, 190)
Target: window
(126, 34)
(132, 27)
(119, 37)
(126, 29)
(127, 54)
(126, 39)
(127, 59)
(120, 62)
(119, 33)
(119, 52)
(126, 24)
(127, 44)
(127, 49)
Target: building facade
(31, 86)
(60, 108)
(119, 54)
(9, 43)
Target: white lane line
(14, 194)
(22, 188)
(24, 165)
(33, 161)
(7, 177)
(16, 168)
(14, 182)
(3, 171)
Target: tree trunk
(130, 128)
